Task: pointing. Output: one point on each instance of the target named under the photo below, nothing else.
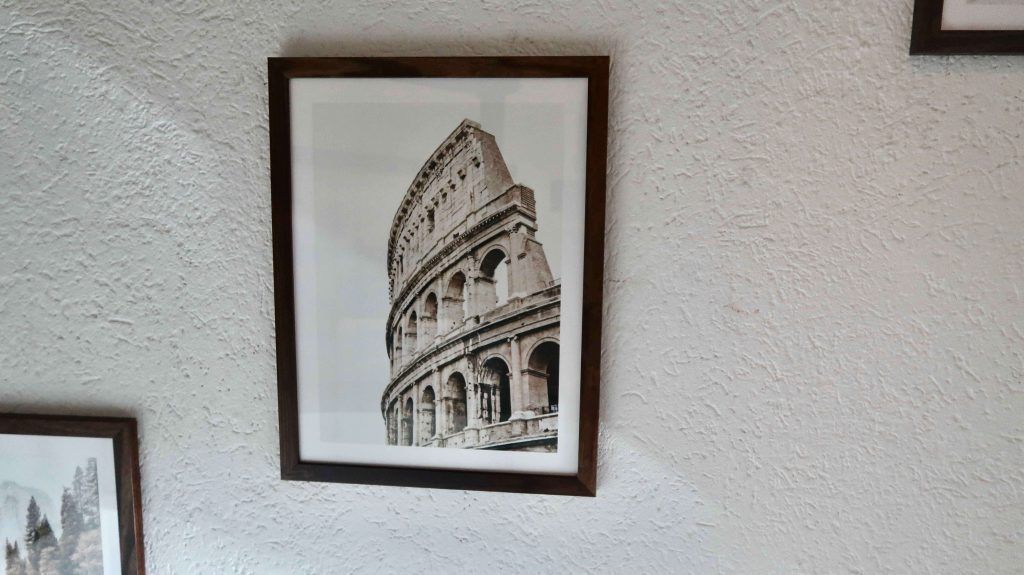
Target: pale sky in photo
(48, 463)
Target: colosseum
(473, 332)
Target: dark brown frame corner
(595, 69)
(928, 38)
(124, 432)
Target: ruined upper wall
(462, 181)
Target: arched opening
(455, 302)
(428, 425)
(410, 335)
(407, 422)
(428, 321)
(493, 286)
(542, 378)
(456, 398)
(496, 375)
(392, 424)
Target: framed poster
(968, 27)
(438, 246)
(70, 487)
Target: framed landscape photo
(438, 230)
(968, 27)
(69, 488)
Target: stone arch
(407, 422)
(428, 423)
(542, 377)
(455, 301)
(497, 375)
(455, 395)
(428, 320)
(492, 286)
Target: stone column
(516, 377)
(415, 416)
(486, 411)
(472, 398)
(478, 392)
(397, 414)
(440, 418)
(496, 403)
(517, 266)
(427, 413)
(472, 420)
(449, 324)
(473, 293)
(472, 301)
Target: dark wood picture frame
(928, 37)
(595, 70)
(124, 433)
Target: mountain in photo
(14, 499)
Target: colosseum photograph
(473, 330)
(438, 226)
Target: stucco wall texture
(814, 335)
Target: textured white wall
(814, 350)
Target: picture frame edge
(130, 479)
(282, 69)
(446, 479)
(123, 433)
(928, 39)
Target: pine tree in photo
(76, 486)
(78, 550)
(88, 556)
(14, 564)
(89, 498)
(45, 537)
(70, 530)
(50, 562)
(31, 521)
(71, 522)
(32, 534)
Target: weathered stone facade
(473, 333)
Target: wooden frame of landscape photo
(438, 243)
(79, 477)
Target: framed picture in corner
(438, 228)
(71, 498)
(968, 27)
